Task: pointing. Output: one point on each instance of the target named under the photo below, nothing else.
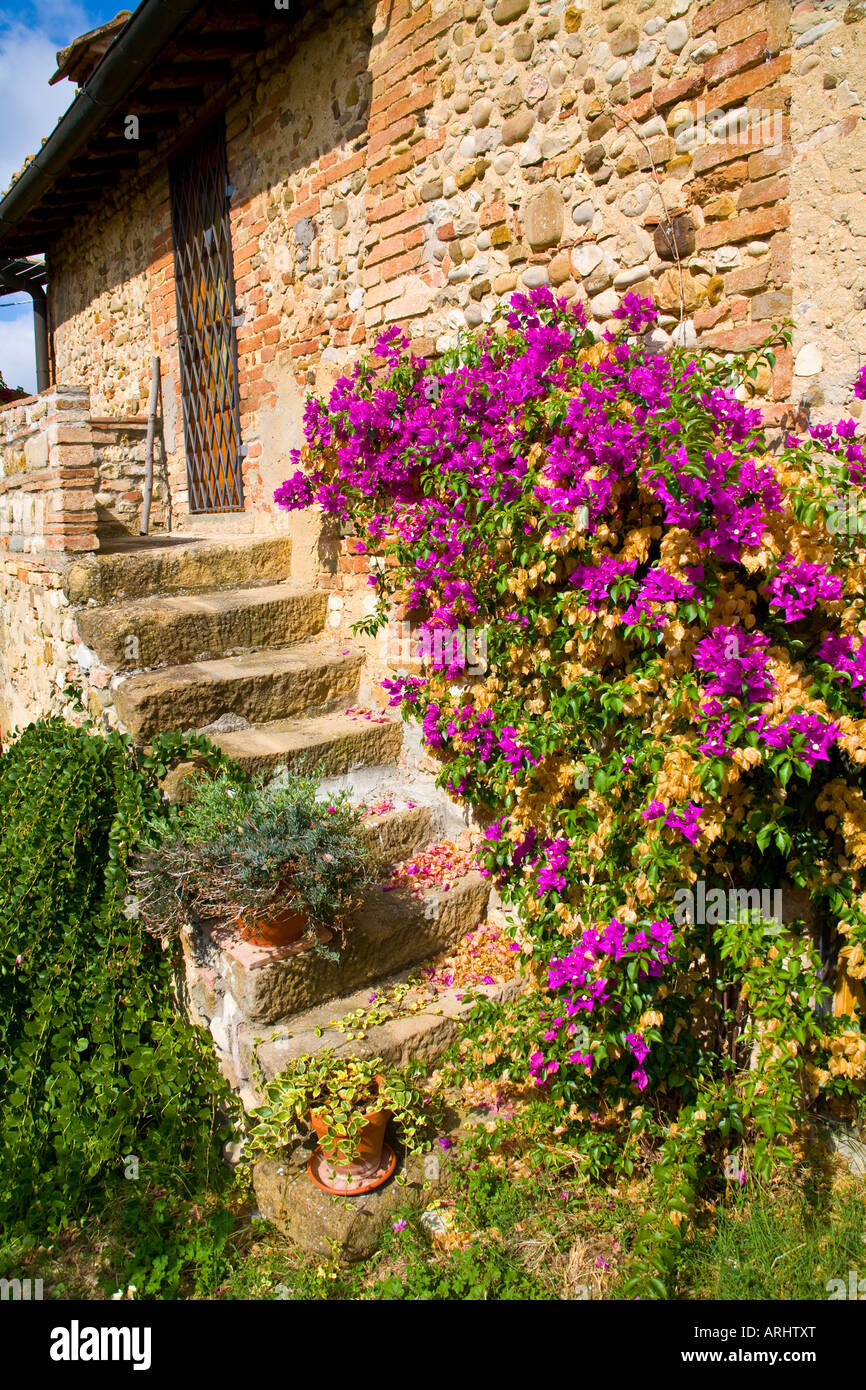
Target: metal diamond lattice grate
(207, 349)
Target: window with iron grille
(207, 348)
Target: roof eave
(153, 25)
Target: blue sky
(31, 32)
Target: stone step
(422, 1035)
(389, 932)
(260, 686)
(178, 628)
(335, 743)
(396, 835)
(184, 565)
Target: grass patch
(781, 1242)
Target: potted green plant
(268, 858)
(348, 1102)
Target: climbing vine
(664, 731)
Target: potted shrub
(269, 859)
(348, 1102)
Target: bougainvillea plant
(672, 702)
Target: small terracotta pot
(364, 1160)
(281, 926)
(362, 1169)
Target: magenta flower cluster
(685, 822)
(798, 588)
(735, 662)
(587, 979)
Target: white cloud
(31, 108)
(17, 345)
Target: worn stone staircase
(218, 636)
(204, 629)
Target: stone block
(36, 452)
(543, 218)
(321, 1223)
(390, 931)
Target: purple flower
(295, 493)
(552, 875)
(809, 737)
(637, 1046)
(686, 823)
(797, 588)
(736, 664)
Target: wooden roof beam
(226, 45)
(164, 99)
(199, 71)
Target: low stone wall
(67, 481)
(37, 640)
(47, 473)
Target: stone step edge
(314, 653)
(127, 576)
(123, 621)
(333, 733)
(143, 701)
(409, 1035)
(245, 984)
(400, 833)
(230, 945)
(253, 594)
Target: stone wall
(37, 641)
(67, 482)
(47, 473)
(413, 163)
(828, 204)
(120, 456)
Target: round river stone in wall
(675, 238)
(506, 10)
(523, 46)
(676, 35)
(637, 200)
(517, 127)
(558, 270)
(603, 305)
(304, 232)
(809, 360)
(584, 259)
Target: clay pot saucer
(330, 1179)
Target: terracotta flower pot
(279, 926)
(365, 1166)
(362, 1160)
